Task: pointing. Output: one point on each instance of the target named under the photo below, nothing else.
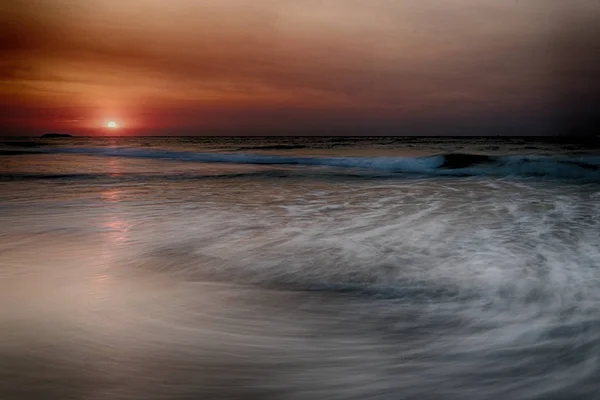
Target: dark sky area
(400, 67)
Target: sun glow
(112, 124)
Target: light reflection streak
(117, 227)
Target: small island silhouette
(55, 135)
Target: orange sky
(294, 66)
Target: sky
(322, 67)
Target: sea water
(299, 268)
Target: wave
(273, 147)
(184, 177)
(581, 167)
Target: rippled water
(160, 278)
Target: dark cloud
(575, 70)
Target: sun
(112, 124)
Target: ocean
(299, 268)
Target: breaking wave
(583, 167)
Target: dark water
(299, 268)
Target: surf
(582, 167)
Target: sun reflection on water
(115, 228)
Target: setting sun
(112, 124)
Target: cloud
(386, 60)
